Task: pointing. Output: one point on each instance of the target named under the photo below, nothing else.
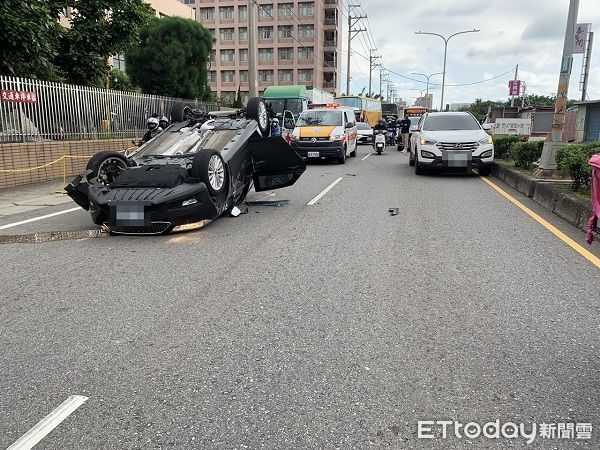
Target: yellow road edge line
(559, 234)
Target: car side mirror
(289, 123)
(486, 126)
(349, 125)
(414, 128)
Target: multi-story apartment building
(426, 101)
(298, 43)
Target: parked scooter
(379, 137)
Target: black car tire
(353, 153)
(418, 169)
(209, 167)
(107, 165)
(342, 159)
(411, 160)
(180, 111)
(257, 110)
(484, 171)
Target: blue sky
(525, 32)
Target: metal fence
(34, 110)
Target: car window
(447, 122)
(363, 126)
(315, 118)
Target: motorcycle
(379, 141)
(391, 136)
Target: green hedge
(525, 153)
(502, 145)
(573, 160)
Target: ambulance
(325, 131)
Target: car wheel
(484, 171)
(107, 166)
(342, 159)
(257, 110)
(418, 169)
(353, 154)
(180, 112)
(208, 166)
(411, 160)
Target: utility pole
(585, 73)
(548, 159)
(372, 59)
(252, 52)
(352, 32)
(512, 99)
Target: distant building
(425, 102)
(298, 42)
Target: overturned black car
(188, 173)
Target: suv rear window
(450, 122)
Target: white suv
(450, 141)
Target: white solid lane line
(325, 191)
(48, 423)
(369, 154)
(35, 219)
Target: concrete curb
(573, 210)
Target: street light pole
(446, 39)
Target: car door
(275, 163)
(416, 135)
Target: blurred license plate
(313, 154)
(457, 159)
(130, 215)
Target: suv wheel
(418, 169)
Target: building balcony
(332, 43)
(329, 65)
(331, 2)
(329, 84)
(330, 21)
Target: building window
(243, 76)
(226, 12)
(265, 54)
(242, 12)
(212, 32)
(286, 54)
(305, 53)
(286, 75)
(213, 55)
(265, 11)
(212, 76)
(226, 34)
(244, 55)
(228, 95)
(243, 33)
(228, 76)
(305, 74)
(189, 2)
(306, 9)
(306, 31)
(265, 32)
(227, 55)
(265, 76)
(207, 13)
(286, 9)
(118, 62)
(286, 32)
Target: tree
(95, 35)
(479, 108)
(238, 103)
(120, 81)
(29, 39)
(171, 59)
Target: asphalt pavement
(330, 325)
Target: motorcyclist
(381, 125)
(275, 128)
(391, 129)
(163, 122)
(153, 130)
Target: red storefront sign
(514, 88)
(10, 95)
